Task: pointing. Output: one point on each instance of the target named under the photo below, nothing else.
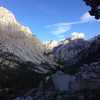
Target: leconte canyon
(58, 70)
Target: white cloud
(63, 27)
(59, 29)
(87, 18)
(77, 35)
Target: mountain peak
(8, 23)
(18, 39)
(7, 16)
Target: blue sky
(54, 19)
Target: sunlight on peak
(7, 19)
(27, 30)
(6, 15)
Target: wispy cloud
(59, 28)
(62, 27)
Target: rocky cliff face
(69, 48)
(18, 39)
(49, 45)
(22, 58)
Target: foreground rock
(16, 76)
